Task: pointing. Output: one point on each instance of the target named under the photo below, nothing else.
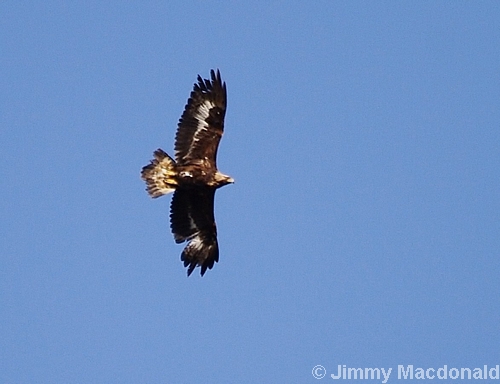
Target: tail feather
(160, 174)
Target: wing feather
(201, 125)
(192, 219)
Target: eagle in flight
(193, 175)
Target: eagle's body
(193, 175)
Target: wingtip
(215, 75)
(214, 85)
(191, 269)
(191, 266)
(205, 258)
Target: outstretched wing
(201, 125)
(192, 219)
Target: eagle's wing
(202, 123)
(192, 218)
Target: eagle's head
(221, 179)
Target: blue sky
(363, 227)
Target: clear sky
(363, 228)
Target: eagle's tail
(160, 174)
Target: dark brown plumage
(193, 175)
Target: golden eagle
(193, 175)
